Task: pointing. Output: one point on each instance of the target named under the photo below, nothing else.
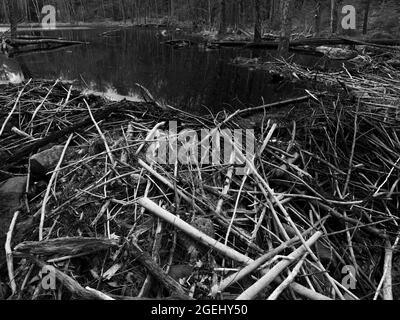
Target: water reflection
(189, 78)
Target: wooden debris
(330, 170)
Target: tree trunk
(366, 14)
(286, 28)
(334, 15)
(317, 18)
(257, 19)
(271, 11)
(209, 14)
(242, 13)
(12, 17)
(222, 22)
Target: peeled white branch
(193, 232)
(221, 248)
(9, 255)
(261, 284)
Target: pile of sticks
(314, 216)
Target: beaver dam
(314, 214)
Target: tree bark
(317, 18)
(209, 14)
(222, 22)
(366, 14)
(257, 23)
(12, 16)
(286, 28)
(334, 15)
(172, 8)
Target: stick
(22, 133)
(72, 285)
(40, 106)
(192, 232)
(9, 254)
(385, 285)
(35, 145)
(261, 284)
(251, 267)
(292, 275)
(13, 108)
(100, 295)
(109, 153)
(233, 254)
(169, 283)
(52, 179)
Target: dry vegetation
(321, 193)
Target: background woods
(316, 16)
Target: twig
(49, 186)
(292, 275)
(261, 284)
(9, 254)
(13, 109)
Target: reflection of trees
(187, 78)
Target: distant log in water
(30, 44)
(36, 41)
(308, 42)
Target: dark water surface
(190, 78)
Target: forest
(203, 150)
(315, 15)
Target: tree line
(315, 16)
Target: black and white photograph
(195, 157)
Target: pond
(192, 79)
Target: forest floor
(84, 199)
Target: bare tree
(335, 4)
(209, 14)
(257, 21)
(367, 4)
(286, 28)
(12, 17)
(222, 17)
(317, 18)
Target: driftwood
(24, 42)
(298, 180)
(192, 231)
(27, 50)
(167, 281)
(222, 249)
(65, 246)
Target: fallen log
(307, 42)
(65, 246)
(23, 42)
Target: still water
(192, 79)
